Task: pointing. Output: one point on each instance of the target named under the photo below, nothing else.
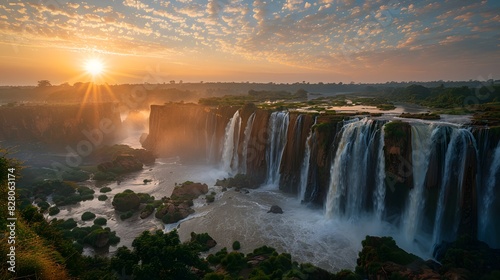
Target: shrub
(67, 224)
(210, 198)
(126, 201)
(100, 221)
(44, 205)
(236, 245)
(105, 189)
(87, 216)
(87, 197)
(54, 211)
(102, 197)
(126, 215)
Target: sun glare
(94, 67)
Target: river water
(304, 233)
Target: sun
(94, 66)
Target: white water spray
(277, 131)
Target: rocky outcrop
(57, 125)
(123, 163)
(178, 206)
(126, 201)
(186, 129)
(275, 209)
(398, 152)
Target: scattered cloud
(299, 33)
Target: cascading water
(277, 131)
(304, 171)
(348, 182)
(421, 142)
(380, 179)
(246, 140)
(229, 160)
(210, 137)
(486, 229)
(448, 207)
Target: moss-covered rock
(123, 163)
(87, 216)
(126, 201)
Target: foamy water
(303, 232)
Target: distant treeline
(254, 96)
(444, 97)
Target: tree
(44, 83)
(159, 255)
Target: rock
(126, 201)
(147, 211)
(122, 163)
(189, 191)
(275, 209)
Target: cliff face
(322, 149)
(293, 155)
(60, 124)
(187, 130)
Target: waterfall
(421, 142)
(349, 171)
(304, 171)
(246, 140)
(277, 132)
(229, 160)
(485, 206)
(448, 207)
(380, 179)
(210, 137)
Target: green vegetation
(105, 189)
(396, 130)
(87, 216)
(236, 245)
(201, 242)
(63, 193)
(422, 116)
(126, 215)
(126, 200)
(210, 198)
(54, 211)
(258, 97)
(100, 221)
(102, 197)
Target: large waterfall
(431, 181)
(246, 141)
(421, 140)
(487, 230)
(349, 184)
(448, 206)
(304, 171)
(277, 132)
(229, 159)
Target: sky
(258, 41)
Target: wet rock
(275, 209)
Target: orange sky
(261, 41)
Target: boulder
(122, 163)
(126, 201)
(189, 191)
(275, 209)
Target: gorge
(432, 181)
